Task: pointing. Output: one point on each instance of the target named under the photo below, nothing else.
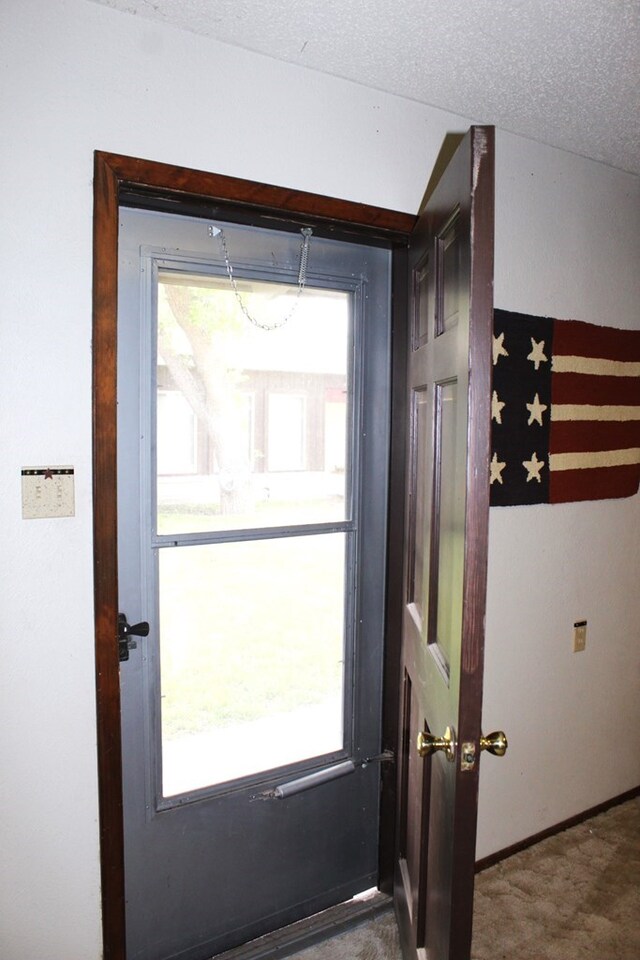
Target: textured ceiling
(565, 72)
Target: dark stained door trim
(123, 179)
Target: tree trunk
(208, 386)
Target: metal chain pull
(302, 278)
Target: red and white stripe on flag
(594, 441)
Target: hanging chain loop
(302, 278)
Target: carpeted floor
(575, 896)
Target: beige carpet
(575, 896)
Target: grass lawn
(249, 629)
(178, 518)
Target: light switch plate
(47, 492)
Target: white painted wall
(567, 245)
(75, 77)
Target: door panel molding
(158, 183)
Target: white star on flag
(536, 409)
(537, 353)
(496, 408)
(497, 467)
(498, 348)
(533, 468)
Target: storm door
(253, 410)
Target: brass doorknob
(495, 743)
(428, 744)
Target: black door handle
(125, 633)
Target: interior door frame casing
(161, 186)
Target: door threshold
(302, 934)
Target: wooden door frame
(163, 186)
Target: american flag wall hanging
(565, 411)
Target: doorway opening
(124, 182)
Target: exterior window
(286, 432)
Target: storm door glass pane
(252, 652)
(251, 424)
(286, 430)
